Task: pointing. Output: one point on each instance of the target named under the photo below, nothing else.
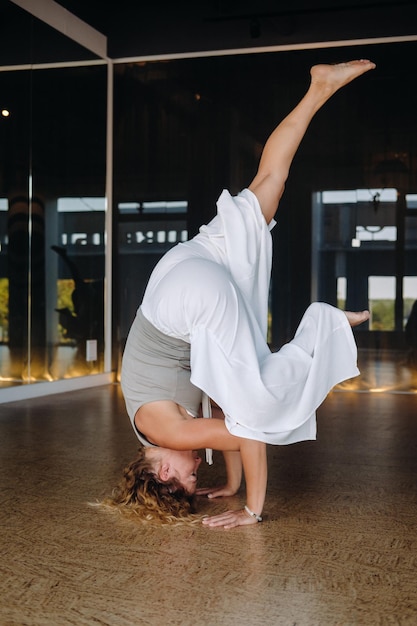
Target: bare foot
(333, 77)
(357, 317)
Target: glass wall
(185, 129)
(52, 206)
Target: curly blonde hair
(142, 496)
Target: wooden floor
(338, 545)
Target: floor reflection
(61, 362)
(383, 371)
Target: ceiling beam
(66, 23)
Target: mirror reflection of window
(381, 290)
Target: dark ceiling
(139, 28)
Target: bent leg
(275, 399)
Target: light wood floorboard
(338, 546)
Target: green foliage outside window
(64, 300)
(408, 305)
(383, 313)
(65, 288)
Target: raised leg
(281, 146)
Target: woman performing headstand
(200, 333)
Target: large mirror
(53, 102)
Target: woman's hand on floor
(229, 519)
(216, 492)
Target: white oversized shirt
(212, 292)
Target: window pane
(382, 302)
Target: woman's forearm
(254, 461)
(233, 463)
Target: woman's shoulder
(159, 420)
